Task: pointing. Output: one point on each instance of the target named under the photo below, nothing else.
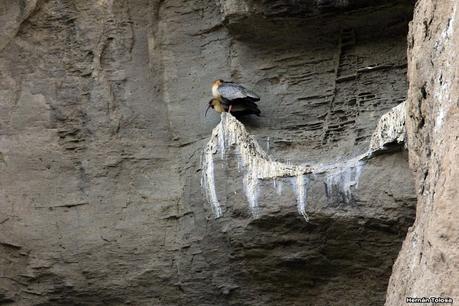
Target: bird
(238, 107)
(229, 96)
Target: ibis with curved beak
(233, 98)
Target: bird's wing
(232, 91)
(246, 106)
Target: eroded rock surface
(428, 264)
(390, 130)
(102, 128)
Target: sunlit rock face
(102, 131)
(428, 262)
(390, 129)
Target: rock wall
(102, 128)
(428, 264)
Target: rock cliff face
(102, 131)
(428, 264)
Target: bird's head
(211, 104)
(217, 82)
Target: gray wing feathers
(231, 91)
(251, 94)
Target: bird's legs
(229, 110)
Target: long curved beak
(208, 106)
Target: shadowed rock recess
(102, 134)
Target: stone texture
(102, 128)
(390, 130)
(428, 264)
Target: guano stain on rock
(256, 164)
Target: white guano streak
(341, 176)
(301, 184)
(256, 164)
(253, 160)
(442, 88)
(208, 182)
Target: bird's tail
(253, 108)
